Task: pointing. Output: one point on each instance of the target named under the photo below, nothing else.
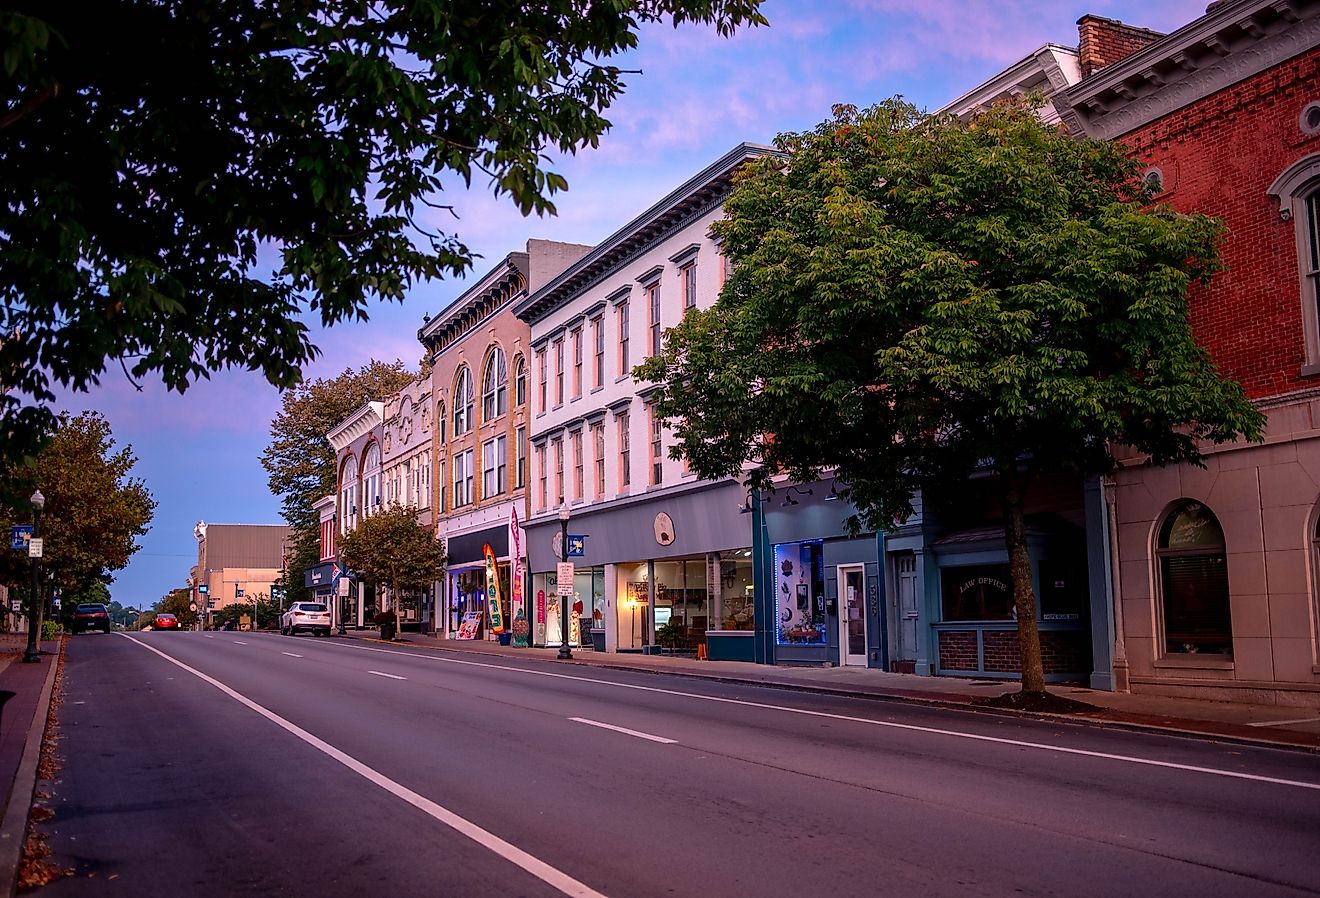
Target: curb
(1100, 719)
(13, 827)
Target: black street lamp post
(565, 653)
(32, 656)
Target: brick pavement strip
(21, 728)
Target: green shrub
(50, 629)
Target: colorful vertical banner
(521, 629)
(493, 610)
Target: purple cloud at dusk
(698, 95)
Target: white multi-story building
(660, 543)
(405, 454)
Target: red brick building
(1217, 567)
(1215, 574)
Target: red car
(91, 616)
(166, 622)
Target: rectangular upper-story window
(540, 380)
(653, 304)
(687, 276)
(621, 313)
(493, 461)
(657, 448)
(440, 505)
(520, 457)
(577, 362)
(598, 450)
(598, 342)
(540, 478)
(557, 451)
(578, 466)
(559, 371)
(625, 453)
(463, 478)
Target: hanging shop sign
(493, 591)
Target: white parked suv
(310, 616)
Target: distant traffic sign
(19, 536)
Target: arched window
(1194, 583)
(371, 485)
(441, 423)
(463, 402)
(1297, 192)
(519, 381)
(348, 483)
(494, 386)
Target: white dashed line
(236, 642)
(291, 654)
(624, 730)
(391, 676)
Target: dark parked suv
(91, 616)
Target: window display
(800, 593)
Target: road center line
(624, 730)
(291, 654)
(382, 674)
(887, 724)
(551, 876)
(207, 636)
(236, 642)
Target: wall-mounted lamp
(834, 491)
(746, 507)
(788, 496)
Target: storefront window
(729, 582)
(977, 592)
(633, 592)
(467, 593)
(800, 593)
(586, 607)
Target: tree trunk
(1024, 597)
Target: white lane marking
(207, 636)
(1283, 723)
(551, 876)
(391, 676)
(888, 724)
(237, 642)
(291, 654)
(624, 730)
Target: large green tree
(300, 461)
(179, 603)
(392, 550)
(183, 181)
(94, 511)
(916, 299)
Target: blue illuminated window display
(799, 579)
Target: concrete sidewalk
(1266, 724)
(22, 723)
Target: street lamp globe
(38, 500)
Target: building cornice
(360, 423)
(1227, 45)
(682, 206)
(502, 285)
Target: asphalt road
(234, 763)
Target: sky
(698, 95)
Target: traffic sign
(19, 536)
(564, 579)
(34, 547)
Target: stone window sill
(1312, 370)
(1194, 662)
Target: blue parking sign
(19, 535)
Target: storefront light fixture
(746, 507)
(788, 496)
(834, 491)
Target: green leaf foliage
(186, 184)
(391, 549)
(299, 459)
(915, 297)
(94, 509)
